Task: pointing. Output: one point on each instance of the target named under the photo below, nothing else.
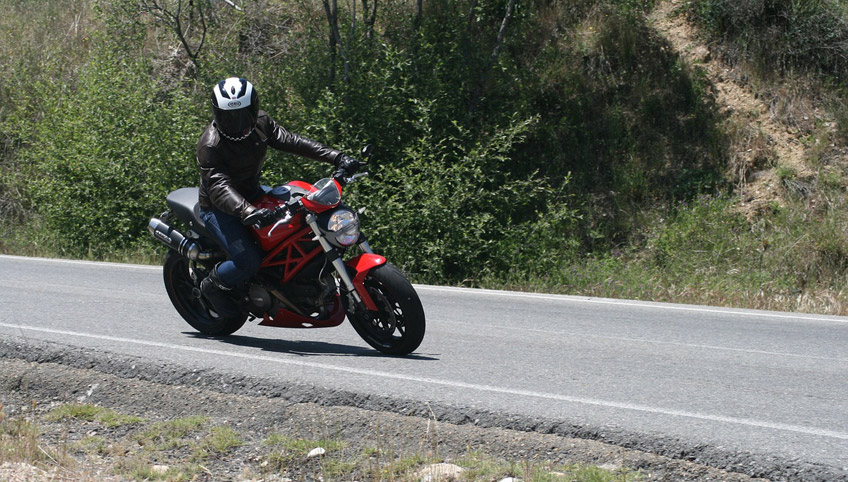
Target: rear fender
(362, 265)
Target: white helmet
(235, 107)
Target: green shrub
(454, 213)
(108, 151)
(781, 35)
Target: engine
(314, 296)
(261, 300)
(307, 297)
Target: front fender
(362, 265)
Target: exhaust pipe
(175, 240)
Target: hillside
(623, 148)
(788, 153)
(770, 145)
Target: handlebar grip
(251, 218)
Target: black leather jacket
(229, 170)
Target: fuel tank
(270, 236)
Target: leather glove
(346, 166)
(260, 218)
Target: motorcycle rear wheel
(182, 291)
(397, 327)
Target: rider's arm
(280, 138)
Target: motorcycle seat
(185, 205)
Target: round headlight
(344, 227)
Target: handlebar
(283, 213)
(345, 180)
(344, 177)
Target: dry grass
(176, 450)
(27, 456)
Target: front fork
(365, 247)
(361, 264)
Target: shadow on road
(301, 348)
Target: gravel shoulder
(34, 379)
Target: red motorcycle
(303, 281)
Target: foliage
(114, 146)
(30, 59)
(468, 211)
(782, 35)
(544, 157)
(706, 252)
(91, 413)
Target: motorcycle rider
(230, 154)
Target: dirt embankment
(33, 390)
(764, 144)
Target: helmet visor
(235, 123)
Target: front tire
(184, 294)
(397, 327)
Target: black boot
(225, 301)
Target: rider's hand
(346, 166)
(260, 218)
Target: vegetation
(797, 56)
(92, 413)
(20, 442)
(176, 450)
(780, 36)
(558, 146)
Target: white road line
(813, 431)
(518, 294)
(142, 267)
(647, 341)
(634, 304)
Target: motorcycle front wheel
(397, 327)
(183, 292)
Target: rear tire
(184, 293)
(397, 327)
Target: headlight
(343, 228)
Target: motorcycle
(303, 281)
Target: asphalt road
(772, 385)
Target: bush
(781, 35)
(454, 213)
(107, 152)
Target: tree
(188, 20)
(475, 95)
(331, 8)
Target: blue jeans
(245, 256)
